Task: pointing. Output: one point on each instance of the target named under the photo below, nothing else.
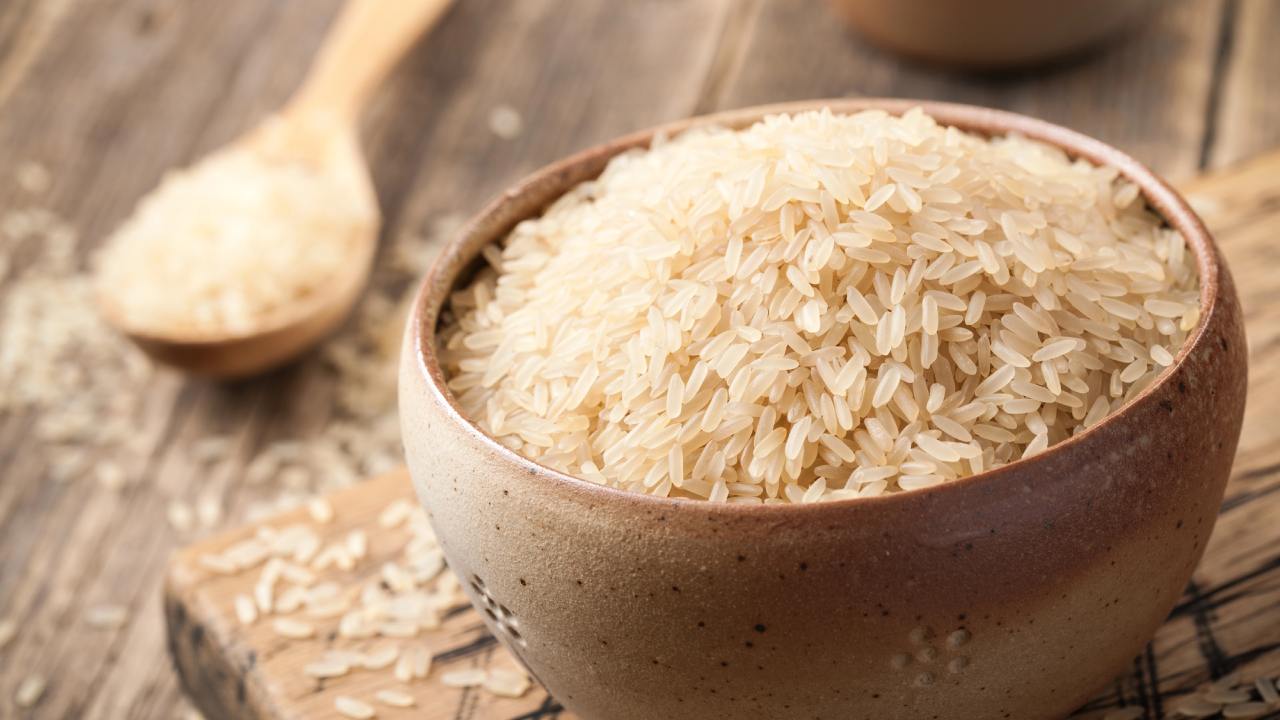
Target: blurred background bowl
(1013, 593)
(989, 34)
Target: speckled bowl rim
(434, 290)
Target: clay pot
(1015, 593)
(989, 34)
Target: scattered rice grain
(29, 691)
(293, 629)
(464, 678)
(395, 698)
(352, 708)
(106, 617)
(507, 683)
(505, 122)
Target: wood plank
(572, 77)
(1145, 93)
(141, 86)
(25, 27)
(136, 84)
(1248, 118)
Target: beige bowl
(1011, 594)
(989, 34)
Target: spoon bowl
(317, 132)
(290, 329)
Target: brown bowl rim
(1161, 196)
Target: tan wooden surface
(107, 94)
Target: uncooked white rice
(507, 683)
(246, 609)
(218, 564)
(357, 544)
(8, 630)
(293, 629)
(405, 598)
(395, 513)
(227, 243)
(505, 122)
(29, 691)
(1227, 697)
(33, 177)
(380, 658)
(395, 698)
(412, 663)
(106, 617)
(325, 669)
(819, 307)
(464, 678)
(1267, 690)
(353, 708)
(403, 671)
(180, 515)
(209, 509)
(111, 476)
(320, 510)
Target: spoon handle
(363, 44)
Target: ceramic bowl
(1015, 593)
(990, 34)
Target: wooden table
(107, 94)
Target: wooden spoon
(317, 129)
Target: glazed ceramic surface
(1010, 594)
(990, 34)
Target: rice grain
(254, 234)
(8, 630)
(507, 683)
(293, 629)
(352, 708)
(29, 691)
(395, 698)
(464, 678)
(106, 617)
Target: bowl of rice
(838, 409)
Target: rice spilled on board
(356, 616)
(819, 307)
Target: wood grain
(1248, 117)
(135, 84)
(108, 94)
(143, 85)
(1145, 92)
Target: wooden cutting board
(1228, 621)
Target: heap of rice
(819, 307)
(223, 245)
